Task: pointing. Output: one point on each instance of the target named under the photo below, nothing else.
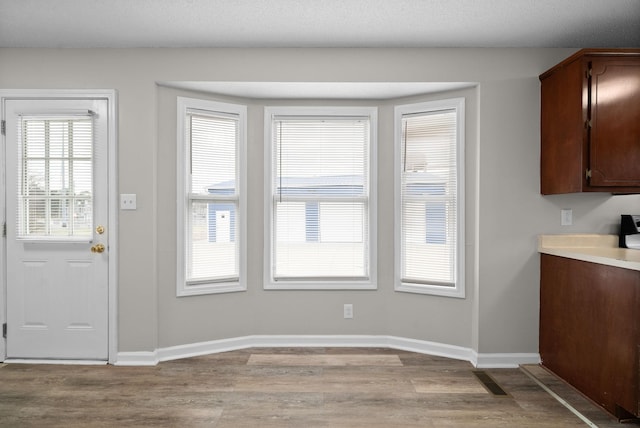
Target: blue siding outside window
(312, 221)
(435, 212)
(435, 218)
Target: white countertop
(602, 249)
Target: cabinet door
(589, 329)
(562, 132)
(615, 121)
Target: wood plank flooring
(286, 387)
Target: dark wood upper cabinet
(590, 123)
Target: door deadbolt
(100, 230)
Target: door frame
(111, 96)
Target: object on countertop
(629, 231)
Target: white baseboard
(502, 361)
(54, 361)
(353, 341)
(430, 348)
(142, 358)
(205, 348)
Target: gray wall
(505, 210)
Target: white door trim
(112, 98)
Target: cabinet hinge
(4, 127)
(4, 330)
(587, 174)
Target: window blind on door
(55, 183)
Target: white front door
(57, 240)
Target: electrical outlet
(566, 217)
(348, 311)
(128, 201)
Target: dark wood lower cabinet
(590, 330)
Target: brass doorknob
(98, 248)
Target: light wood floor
(302, 387)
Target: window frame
(458, 291)
(369, 283)
(183, 199)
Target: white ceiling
(319, 23)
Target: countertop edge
(603, 260)
(598, 251)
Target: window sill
(319, 285)
(202, 289)
(435, 290)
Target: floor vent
(489, 383)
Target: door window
(55, 178)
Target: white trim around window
(429, 198)
(310, 192)
(211, 194)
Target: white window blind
(213, 214)
(56, 178)
(320, 198)
(213, 199)
(430, 196)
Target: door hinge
(587, 174)
(4, 330)
(4, 127)
(588, 124)
(4, 229)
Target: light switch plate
(566, 217)
(348, 310)
(128, 201)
